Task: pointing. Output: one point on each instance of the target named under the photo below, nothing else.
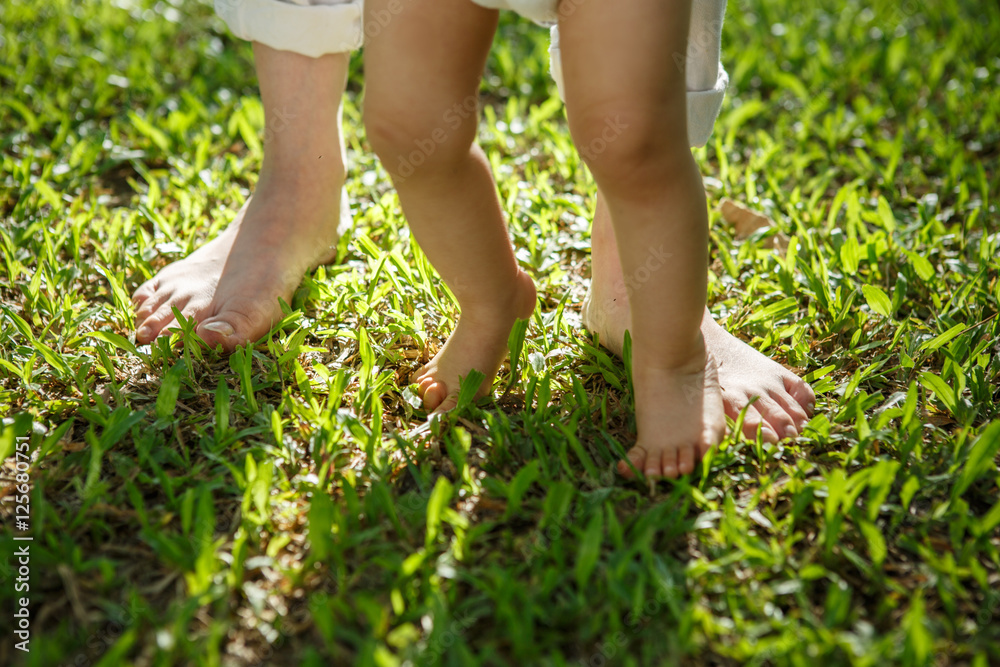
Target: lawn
(289, 505)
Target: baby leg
(626, 98)
(423, 72)
(783, 401)
(232, 284)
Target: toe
(143, 292)
(155, 324)
(801, 392)
(767, 434)
(667, 464)
(144, 334)
(188, 312)
(637, 457)
(685, 460)
(753, 421)
(169, 327)
(447, 405)
(151, 304)
(777, 418)
(217, 332)
(434, 395)
(419, 376)
(792, 408)
(242, 322)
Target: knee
(631, 145)
(407, 141)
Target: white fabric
(704, 51)
(706, 78)
(310, 27)
(317, 27)
(703, 109)
(703, 106)
(540, 11)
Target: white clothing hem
(311, 30)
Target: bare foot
(784, 402)
(679, 416)
(479, 342)
(232, 284)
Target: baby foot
(784, 403)
(479, 342)
(679, 416)
(232, 285)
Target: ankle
(516, 301)
(677, 358)
(293, 164)
(314, 174)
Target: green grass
(286, 505)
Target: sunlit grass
(289, 505)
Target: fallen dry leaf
(746, 221)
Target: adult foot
(679, 416)
(781, 402)
(479, 342)
(232, 285)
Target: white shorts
(703, 106)
(310, 27)
(540, 11)
(317, 27)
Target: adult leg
(423, 73)
(232, 284)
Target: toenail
(791, 432)
(220, 328)
(143, 332)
